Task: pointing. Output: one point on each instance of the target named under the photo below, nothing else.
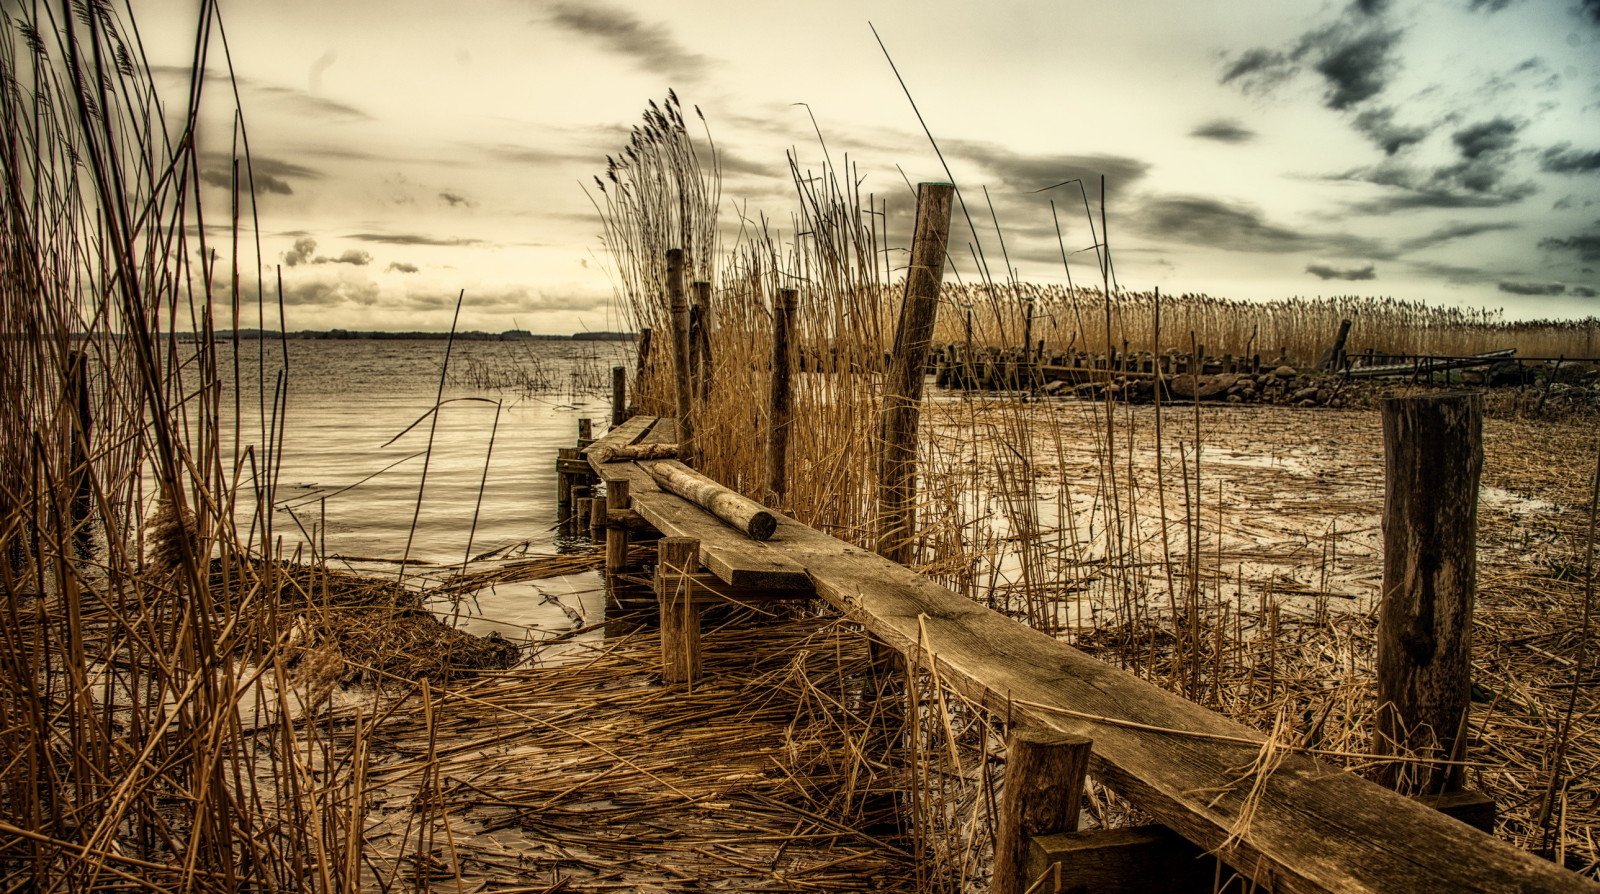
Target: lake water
(369, 476)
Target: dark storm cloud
(1030, 173)
(1454, 231)
(1379, 126)
(1563, 159)
(401, 267)
(1489, 5)
(1590, 9)
(1533, 288)
(1497, 135)
(1585, 245)
(1582, 291)
(410, 239)
(619, 30)
(1356, 63)
(1328, 271)
(1223, 130)
(1371, 7)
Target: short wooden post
(582, 509)
(578, 513)
(618, 499)
(780, 413)
(619, 395)
(704, 365)
(1043, 795)
(682, 386)
(897, 464)
(597, 519)
(585, 433)
(564, 483)
(1433, 455)
(676, 559)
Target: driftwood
(606, 453)
(741, 512)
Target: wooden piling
(585, 433)
(1433, 456)
(597, 519)
(1043, 795)
(682, 386)
(897, 464)
(564, 482)
(677, 557)
(780, 407)
(619, 395)
(618, 498)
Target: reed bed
(1229, 555)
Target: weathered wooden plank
(732, 557)
(1141, 860)
(1304, 827)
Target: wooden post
(618, 498)
(1432, 459)
(897, 464)
(578, 512)
(682, 387)
(1042, 796)
(704, 366)
(619, 395)
(1334, 358)
(643, 364)
(597, 519)
(780, 408)
(676, 559)
(564, 484)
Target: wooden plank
(1305, 827)
(733, 558)
(1140, 860)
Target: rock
(1285, 372)
(1306, 403)
(1473, 377)
(1304, 396)
(1235, 399)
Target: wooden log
(680, 619)
(780, 407)
(682, 386)
(897, 462)
(1433, 456)
(632, 453)
(742, 513)
(1141, 860)
(1043, 794)
(618, 499)
(619, 395)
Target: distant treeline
(360, 334)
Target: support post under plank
(1043, 795)
(677, 559)
(1433, 456)
(618, 498)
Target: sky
(1446, 151)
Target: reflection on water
(369, 472)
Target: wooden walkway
(1304, 826)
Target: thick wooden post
(780, 413)
(618, 499)
(902, 399)
(564, 484)
(619, 395)
(597, 519)
(1042, 796)
(676, 559)
(1432, 459)
(682, 386)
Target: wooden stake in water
(1433, 456)
(902, 399)
(682, 385)
(619, 395)
(780, 407)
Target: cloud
(304, 248)
(1379, 126)
(1223, 130)
(1582, 291)
(1533, 288)
(455, 199)
(343, 291)
(1030, 173)
(1372, 7)
(1328, 271)
(1489, 5)
(410, 239)
(1258, 69)
(1225, 225)
(1563, 159)
(1496, 135)
(1356, 63)
(1585, 245)
(354, 256)
(302, 103)
(619, 30)
(1590, 9)
(400, 267)
(1454, 231)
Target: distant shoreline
(375, 335)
